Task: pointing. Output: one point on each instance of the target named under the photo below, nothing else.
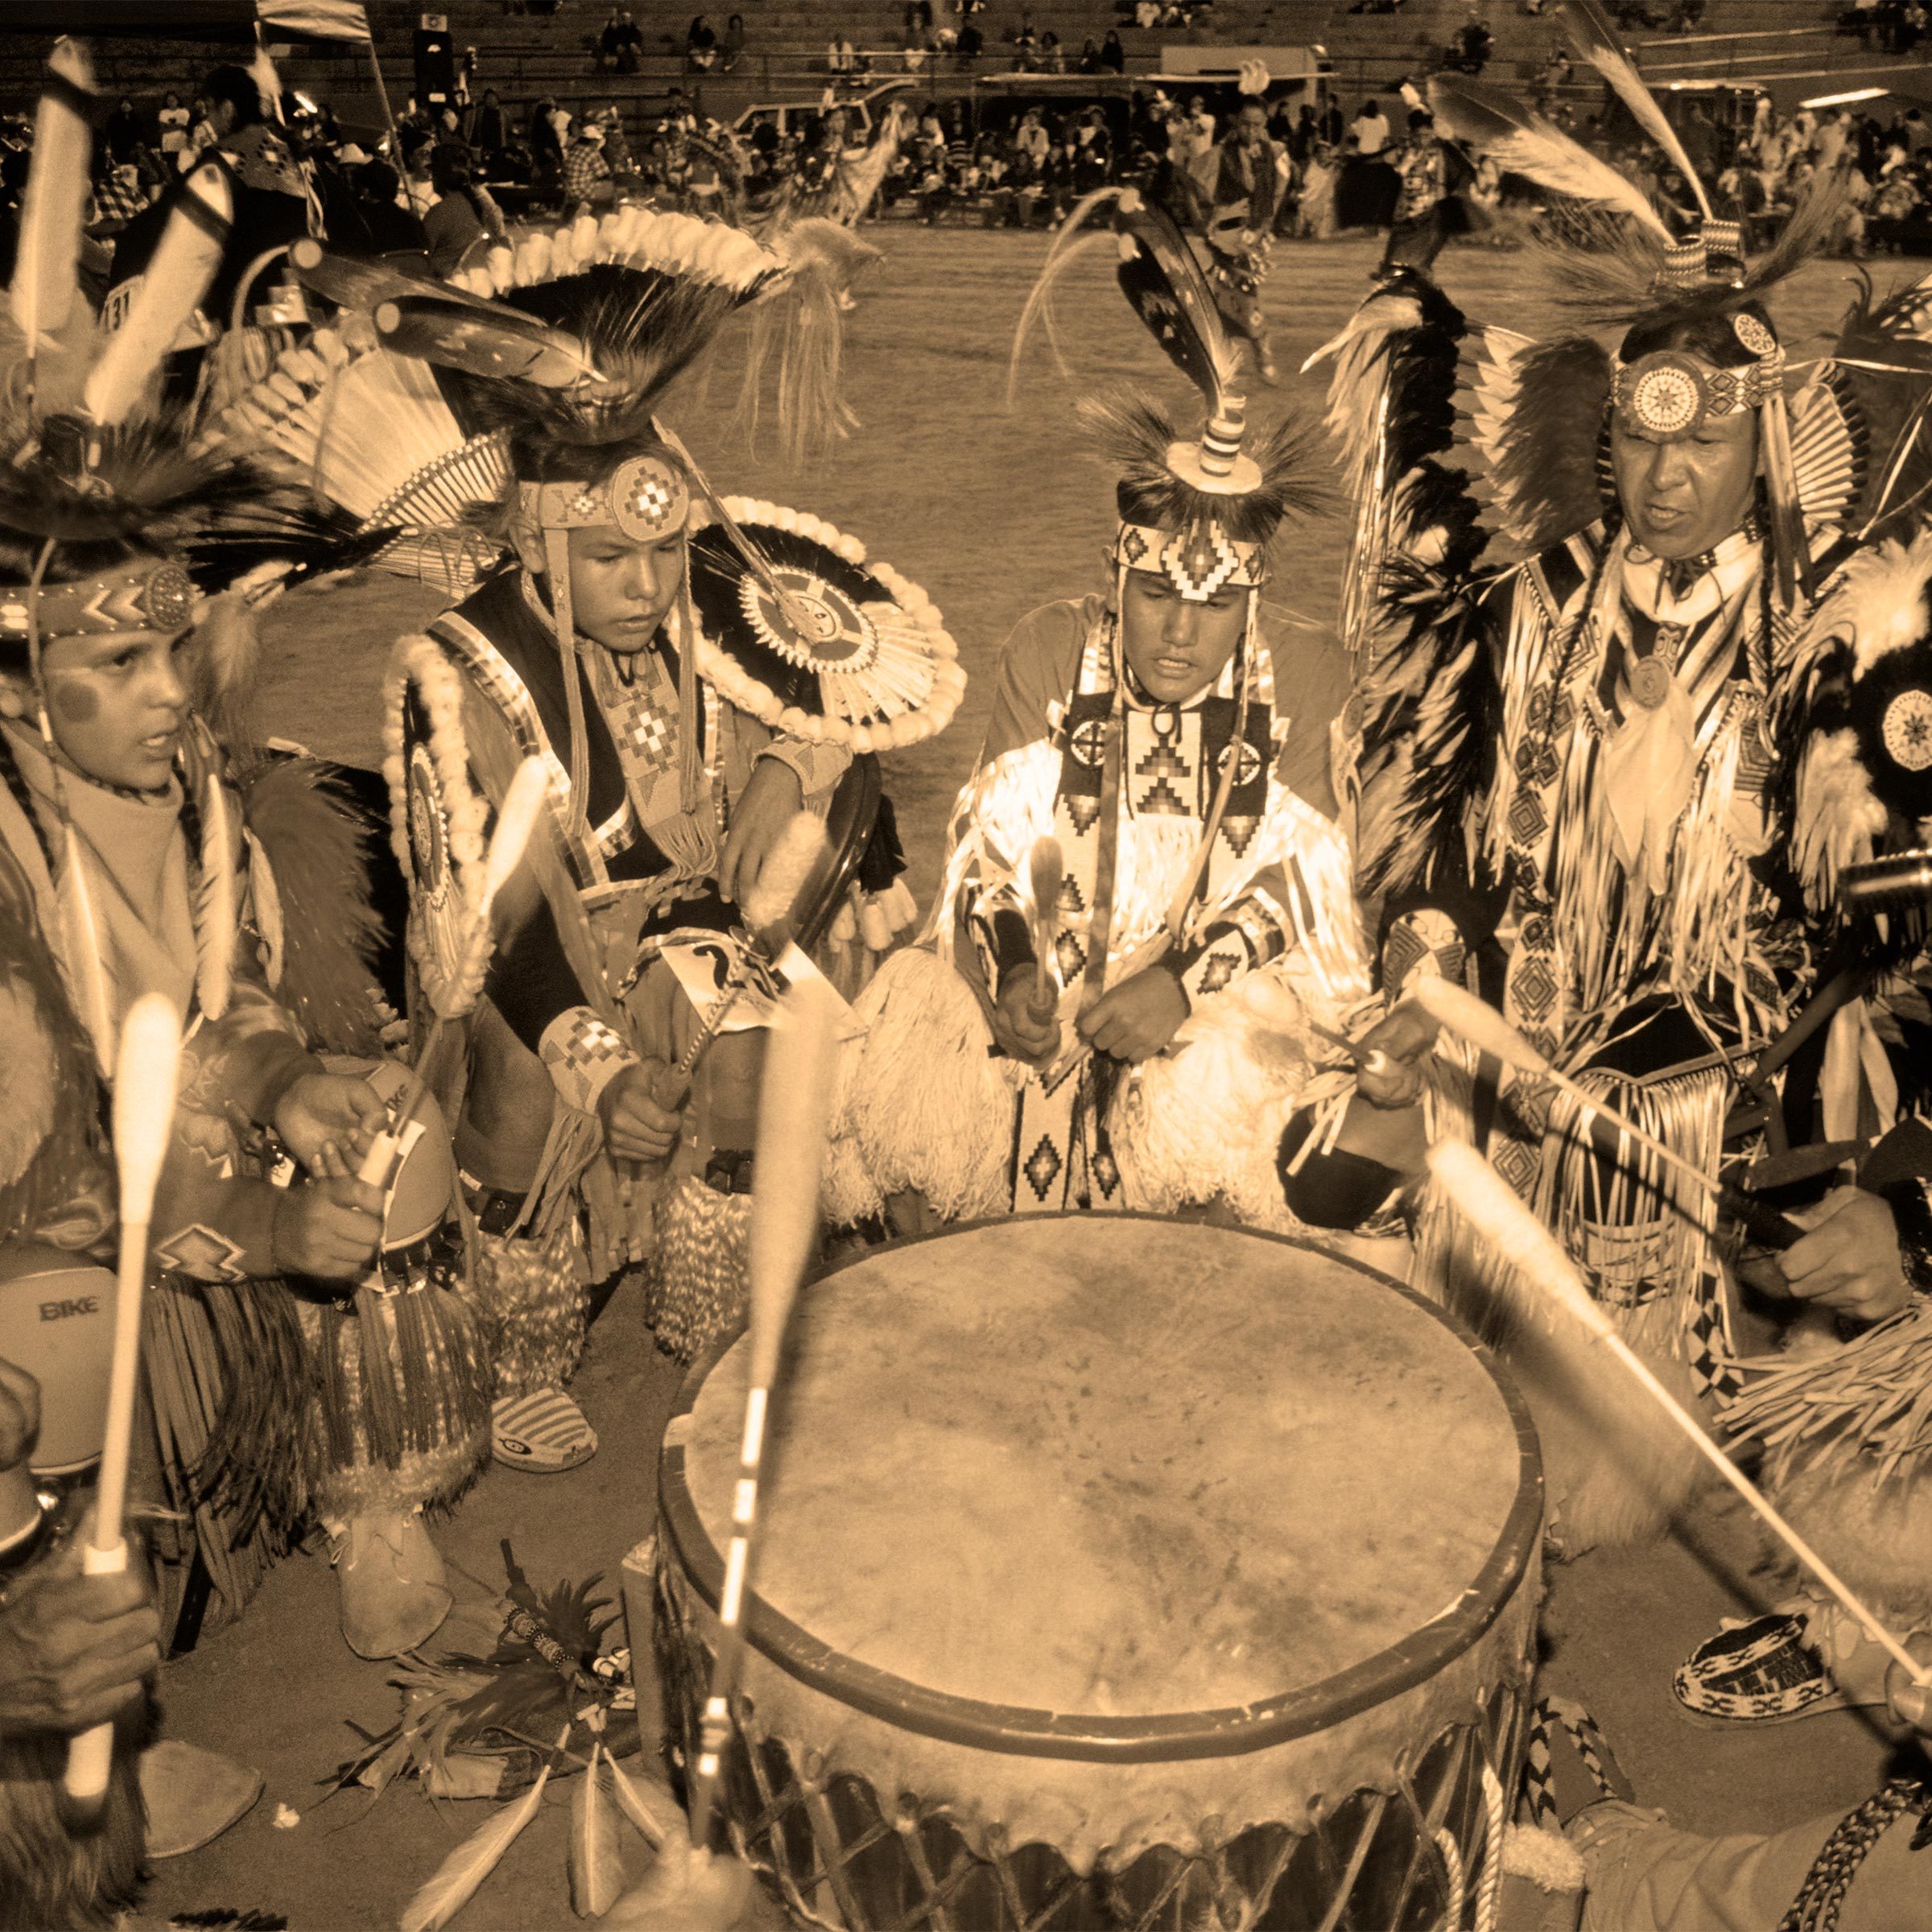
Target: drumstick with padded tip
(509, 839)
(1479, 1023)
(794, 1111)
(1046, 869)
(1495, 1210)
(146, 1070)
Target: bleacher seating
(526, 55)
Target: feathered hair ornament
(1700, 343)
(1200, 510)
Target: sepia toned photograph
(966, 966)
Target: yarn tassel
(454, 1882)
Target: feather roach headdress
(1698, 342)
(536, 378)
(1201, 511)
(94, 463)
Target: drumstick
(145, 1074)
(794, 1110)
(1494, 1208)
(1046, 868)
(1479, 1023)
(768, 904)
(509, 839)
(1371, 1060)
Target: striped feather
(1597, 41)
(1522, 142)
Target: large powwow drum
(1115, 1572)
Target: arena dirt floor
(993, 510)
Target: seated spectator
(700, 45)
(732, 48)
(392, 229)
(462, 212)
(1113, 56)
(586, 169)
(971, 42)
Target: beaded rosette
(436, 820)
(852, 653)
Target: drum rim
(1158, 1737)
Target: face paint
(72, 702)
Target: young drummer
(1200, 914)
(691, 677)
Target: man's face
(117, 704)
(1252, 126)
(1683, 495)
(1176, 647)
(621, 588)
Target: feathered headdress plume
(1597, 41)
(1522, 143)
(1224, 476)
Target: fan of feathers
(504, 1712)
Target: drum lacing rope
(1445, 1843)
(1489, 1894)
(1489, 1891)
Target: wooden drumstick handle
(145, 1070)
(1479, 1193)
(794, 1110)
(1485, 1028)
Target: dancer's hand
(1025, 1031)
(1910, 1701)
(328, 1228)
(1134, 1020)
(685, 1891)
(773, 798)
(642, 1110)
(1849, 1260)
(1405, 1038)
(19, 1416)
(74, 1648)
(324, 1109)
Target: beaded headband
(645, 497)
(139, 595)
(1199, 561)
(1670, 392)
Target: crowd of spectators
(1891, 27)
(452, 177)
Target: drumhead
(1115, 1483)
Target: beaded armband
(583, 1055)
(1249, 935)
